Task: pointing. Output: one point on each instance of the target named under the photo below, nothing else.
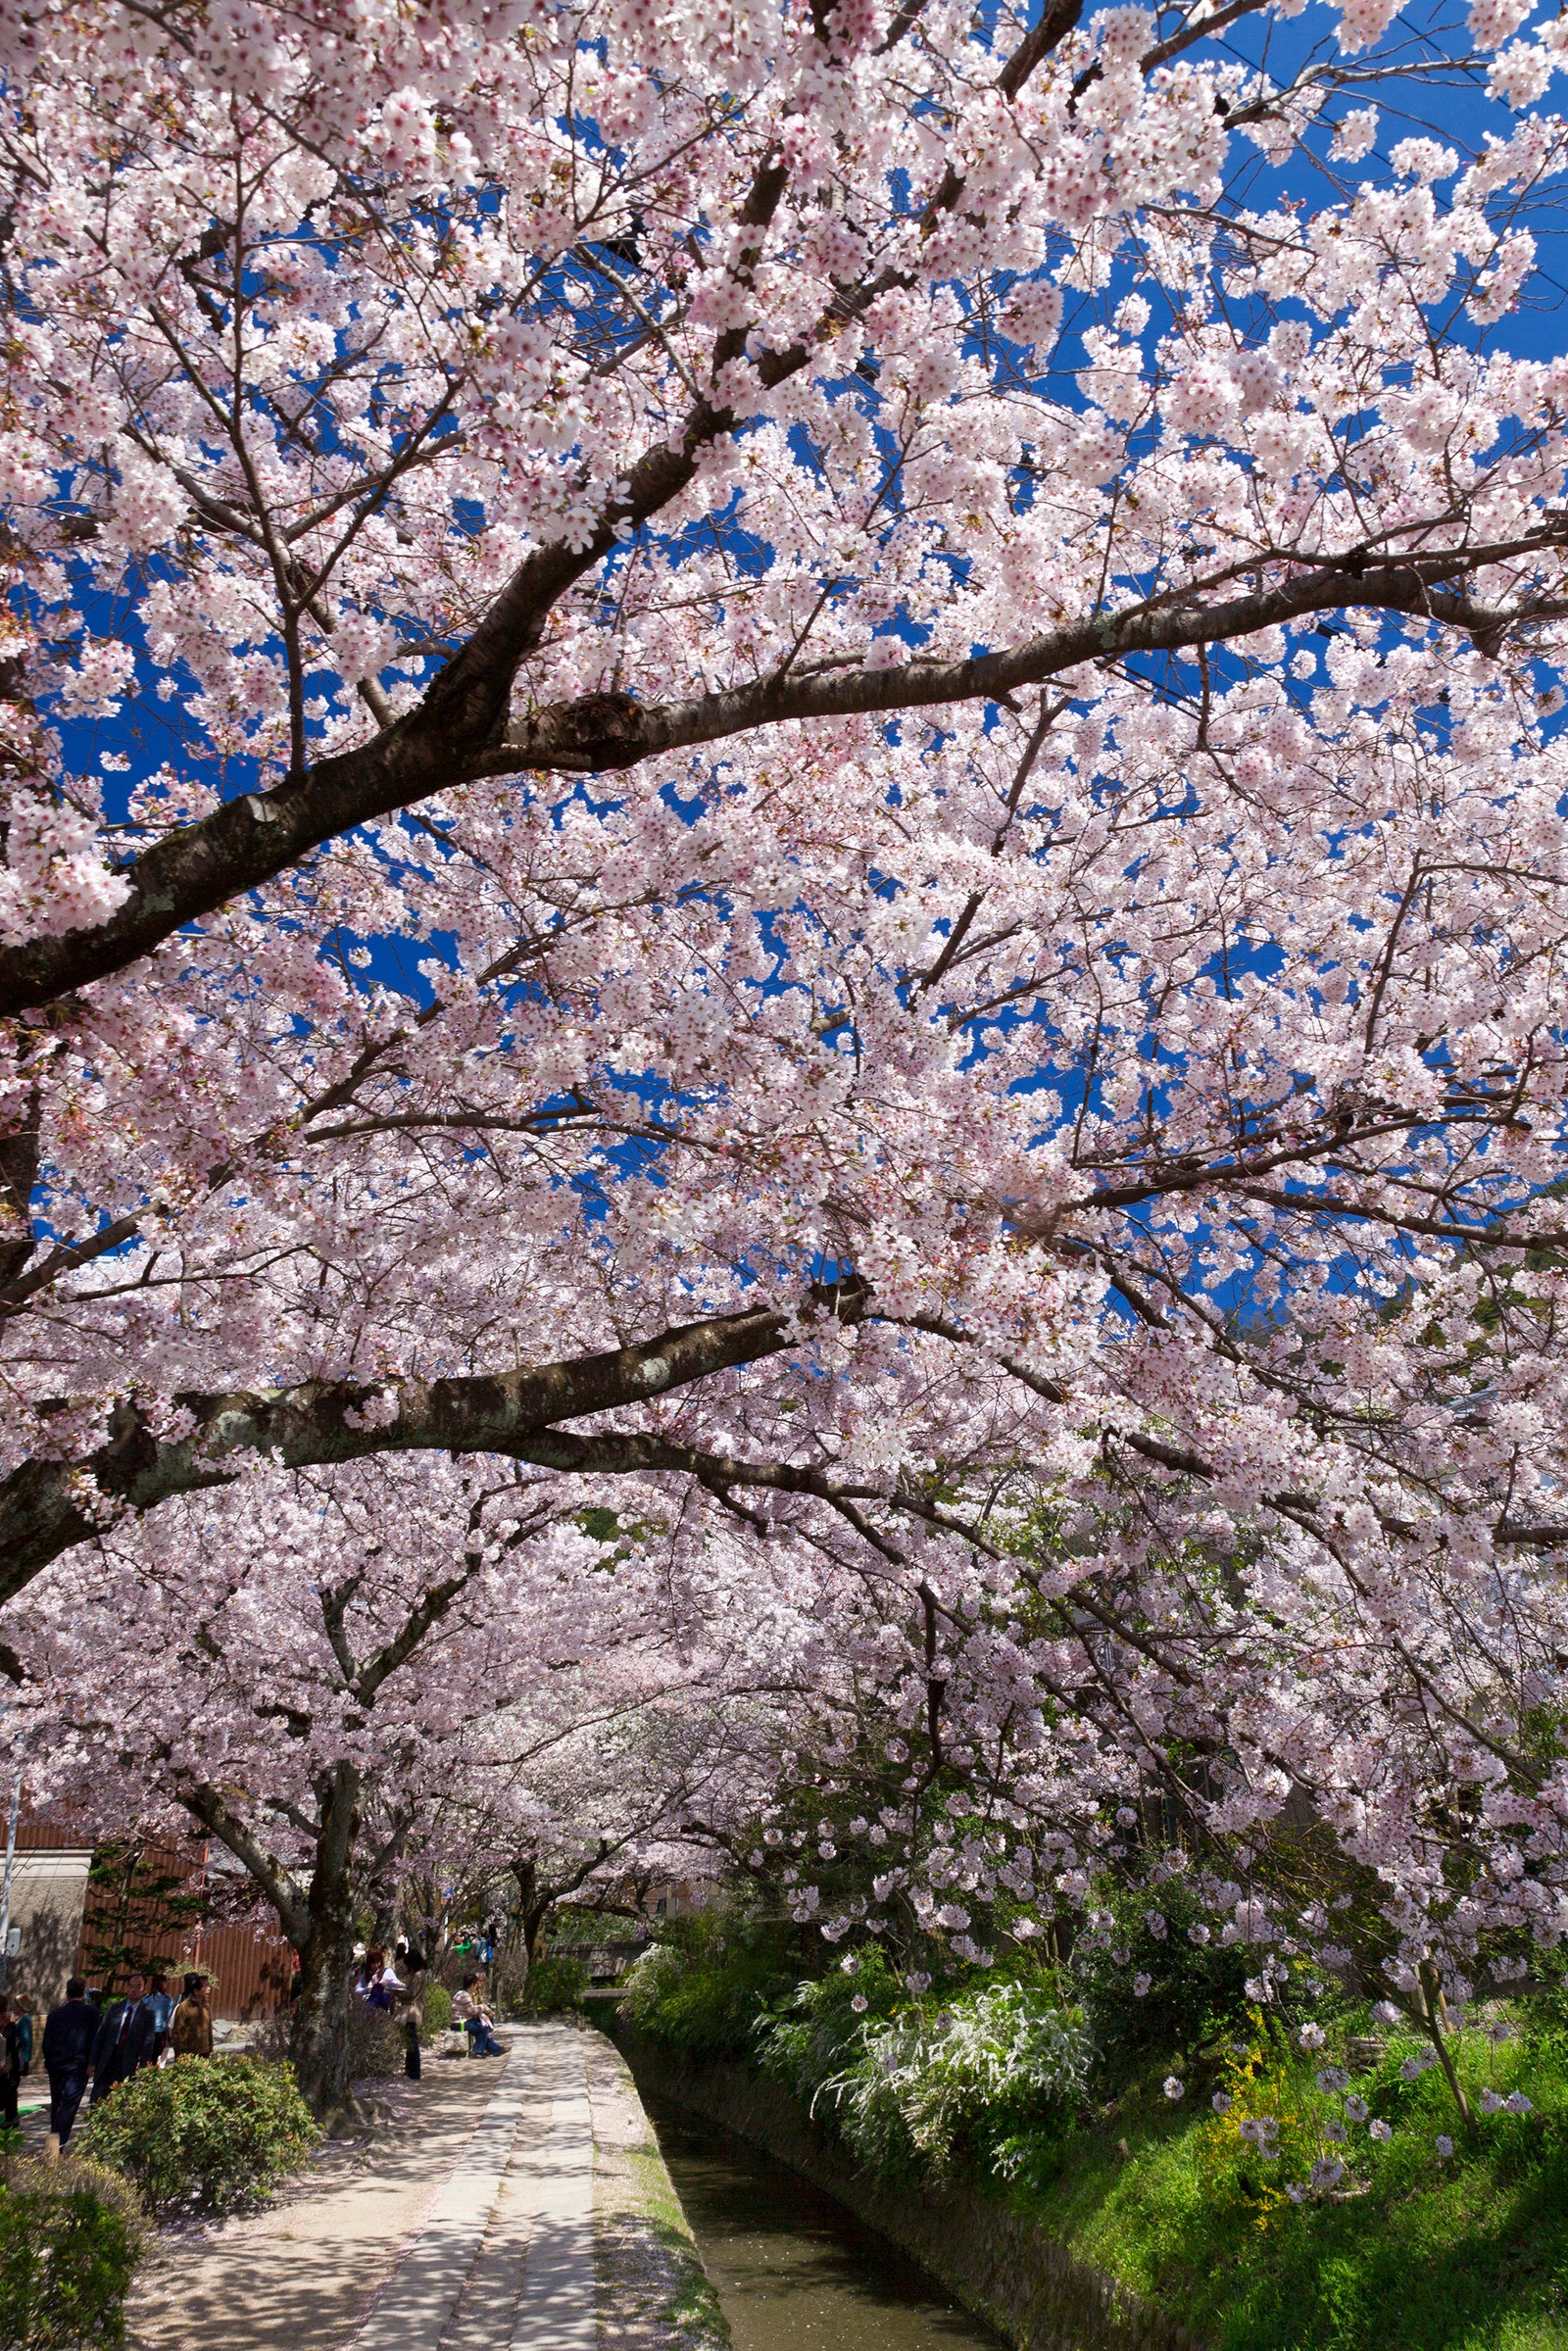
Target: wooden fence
(248, 1958)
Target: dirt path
(301, 2276)
(522, 2207)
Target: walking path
(473, 2230)
(523, 2196)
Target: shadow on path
(299, 2276)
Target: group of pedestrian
(396, 1988)
(83, 2043)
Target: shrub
(551, 1983)
(377, 2047)
(817, 2032)
(71, 2236)
(213, 2132)
(652, 1984)
(437, 2010)
(706, 1982)
(917, 2086)
(964, 2081)
(1148, 1989)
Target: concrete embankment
(998, 2263)
(654, 2293)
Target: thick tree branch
(47, 1507)
(461, 732)
(279, 1884)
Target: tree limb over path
(49, 1506)
(461, 731)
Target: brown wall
(251, 1967)
(61, 1916)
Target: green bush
(972, 2084)
(377, 2047)
(551, 1983)
(211, 2131)
(1149, 1989)
(706, 1984)
(71, 2236)
(817, 2032)
(437, 2005)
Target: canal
(794, 2270)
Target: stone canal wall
(999, 2264)
(653, 2292)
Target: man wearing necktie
(126, 2041)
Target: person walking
(69, 2035)
(161, 2008)
(9, 2065)
(190, 2029)
(25, 2031)
(409, 2008)
(124, 2040)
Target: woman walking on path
(190, 2029)
(408, 2009)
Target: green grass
(691, 2308)
(1421, 2255)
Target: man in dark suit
(67, 2046)
(125, 2039)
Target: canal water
(794, 2270)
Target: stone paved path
(504, 2261)
(468, 2225)
(556, 2308)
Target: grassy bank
(1411, 2251)
(1271, 2197)
(654, 2293)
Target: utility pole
(5, 1886)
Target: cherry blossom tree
(355, 1679)
(809, 760)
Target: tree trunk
(318, 2036)
(535, 1919)
(1432, 2013)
